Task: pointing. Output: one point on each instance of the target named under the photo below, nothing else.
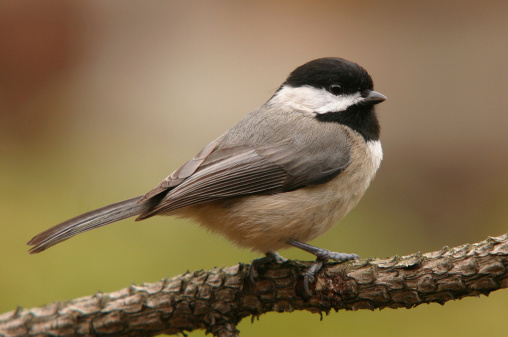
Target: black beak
(374, 97)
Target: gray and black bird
(282, 176)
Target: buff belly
(264, 223)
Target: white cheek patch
(313, 100)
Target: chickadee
(280, 177)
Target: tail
(88, 221)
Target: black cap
(323, 72)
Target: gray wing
(232, 171)
(185, 171)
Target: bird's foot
(270, 257)
(322, 255)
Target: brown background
(99, 101)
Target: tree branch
(217, 299)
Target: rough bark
(217, 299)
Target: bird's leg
(270, 257)
(322, 255)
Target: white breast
(376, 153)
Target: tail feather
(88, 221)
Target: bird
(283, 175)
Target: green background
(99, 101)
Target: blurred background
(99, 101)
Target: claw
(322, 255)
(309, 276)
(269, 258)
(341, 257)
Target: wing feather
(254, 158)
(241, 174)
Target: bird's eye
(336, 89)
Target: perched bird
(282, 176)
